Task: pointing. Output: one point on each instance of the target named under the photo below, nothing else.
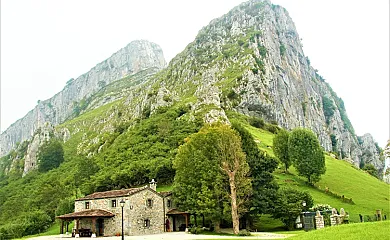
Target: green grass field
(367, 192)
(357, 231)
(53, 230)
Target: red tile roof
(112, 193)
(165, 194)
(87, 214)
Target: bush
(282, 49)
(244, 233)
(321, 207)
(196, 230)
(257, 122)
(272, 128)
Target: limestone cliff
(135, 57)
(251, 60)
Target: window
(86, 205)
(146, 223)
(169, 203)
(149, 203)
(113, 203)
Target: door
(174, 223)
(100, 227)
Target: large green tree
(261, 167)
(306, 154)
(211, 171)
(50, 155)
(280, 147)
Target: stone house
(145, 211)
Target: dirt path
(176, 236)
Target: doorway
(100, 227)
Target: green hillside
(367, 192)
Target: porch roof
(87, 214)
(177, 212)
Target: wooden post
(67, 226)
(186, 215)
(77, 225)
(94, 225)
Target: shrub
(282, 49)
(167, 98)
(371, 170)
(244, 233)
(328, 107)
(256, 122)
(196, 230)
(262, 51)
(321, 207)
(272, 128)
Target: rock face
(45, 133)
(136, 56)
(251, 60)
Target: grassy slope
(342, 178)
(357, 231)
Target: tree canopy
(211, 171)
(50, 155)
(306, 154)
(280, 146)
(261, 167)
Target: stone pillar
(93, 227)
(319, 220)
(342, 215)
(77, 225)
(333, 220)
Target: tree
(50, 155)
(261, 167)
(210, 170)
(290, 204)
(306, 154)
(65, 206)
(280, 146)
(234, 165)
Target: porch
(93, 220)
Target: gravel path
(175, 236)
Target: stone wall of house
(140, 211)
(136, 211)
(112, 225)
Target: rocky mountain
(250, 61)
(73, 99)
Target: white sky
(44, 43)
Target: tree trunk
(217, 227)
(233, 196)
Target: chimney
(153, 184)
